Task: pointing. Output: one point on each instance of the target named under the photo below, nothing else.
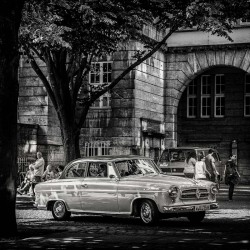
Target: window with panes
(100, 74)
(219, 105)
(192, 99)
(95, 148)
(205, 96)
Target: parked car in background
(172, 160)
(125, 185)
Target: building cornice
(188, 49)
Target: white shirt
(39, 167)
(200, 170)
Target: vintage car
(125, 185)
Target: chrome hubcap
(146, 212)
(59, 210)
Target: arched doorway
(214, 111)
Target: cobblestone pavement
(224, 228)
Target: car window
(174, 155)
(76, 170)
(135, 167)
(98, 169)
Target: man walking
(210, 165)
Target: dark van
(172, 160)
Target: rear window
(174, 155)
(179, 155)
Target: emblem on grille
(198, 194)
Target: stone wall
(27, 140)
(140, 94)
(35, 108)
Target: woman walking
(201, 172)
(189, 169)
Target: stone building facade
(193, 92)
(38, 126)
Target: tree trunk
(10, 13)
(70, 144)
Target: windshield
(174, 155)
(136, 167)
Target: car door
(71, 189)
(100, 190)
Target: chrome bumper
(190, 208)
(42, 207)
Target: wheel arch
(50, 204)
(136, 205)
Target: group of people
(203, 168)
(36, 173)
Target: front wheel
(59, 211)
(148, 212)
(197, 217)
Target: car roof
(112, 158)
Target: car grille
(194, 193)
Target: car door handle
(85, 185)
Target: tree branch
(38, 71)
(132, 66)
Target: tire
(59, 211)
(148, 212)
(197, 217)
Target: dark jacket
(231, 173)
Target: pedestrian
(38, 167)
(26, 184)
(210, 165)
(231, 175)
(189, 169)
(102, 170)
(201, 172)
(48, 174)
(58, 171)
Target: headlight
(173, 192)
(214, 189)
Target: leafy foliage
(68, 35)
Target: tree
(67, 35)
(10, 18)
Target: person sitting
(58, 171)
(102, 171)
(48, 173)
(26, 184)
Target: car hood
(162, 179)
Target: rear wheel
(148, 212)
(59, 211)
(196, 217)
